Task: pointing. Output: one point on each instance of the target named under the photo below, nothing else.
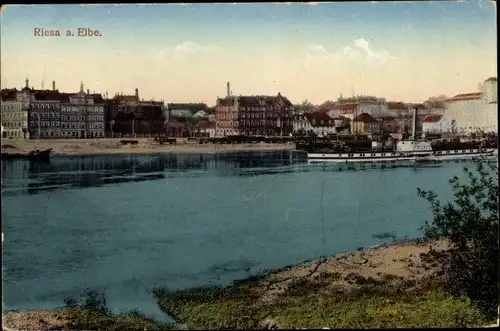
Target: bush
(470, 222)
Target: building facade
(474, 112)
(365, 123)
(82, 115)
(436, 124)
(128, 115)
(45, 114)
(15, 106)
(254, 115)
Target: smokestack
(228, 90)
(53, 85)
(88, 91)
(414, 130)
(137, 94)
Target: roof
(318, 116)
(396, 105)
(126, 98)
(434, 104)
(174, 124)
(491, 79)
(387, 118)
(349, 108)
(432, 119)
(206, 125)
(9, 94)
(254, 100)
(366, 118)
(465, 96)
(187, 106)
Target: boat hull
(41, 156)
(395, 156)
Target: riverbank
(78, 319)
(386, 287)
(389, 286)
(78, 147)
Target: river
(125, 224)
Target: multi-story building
(254, 115)
(45, 114)
(131, 116)
(474, 112)
(15, 105)
(365, 123)
(82, 115)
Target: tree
(470, 222)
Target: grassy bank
(92, 314)
(387, 287)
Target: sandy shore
(394, 263)
(145, 146)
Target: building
(15, 105)
(81, 115)
(432, 108)
(435, 124)
(207, 128)
(396, 108)
(131, 116)
(45, 114)
(301, 124)
(185, 110)
(365, 123)
(200, 114)
(474, 112)
(346, 110)
(175, 129)
(322, 124)
(254, 115)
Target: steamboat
(361, 149)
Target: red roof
(366, 118)
(465, 96)
(491, 79)
(349, 108)
(206, 125)
(432, 119)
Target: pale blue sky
(403, 51)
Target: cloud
(382, 56)
(359, 49)
(187, 48)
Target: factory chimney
(137, 94)
(228, 90)
(414, 129)
(53, 85)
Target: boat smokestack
(414, 129)
(228, 89)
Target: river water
(125, 224)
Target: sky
(403, 51)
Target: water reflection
(63, 172)
(21, 177)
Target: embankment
(145, 146)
